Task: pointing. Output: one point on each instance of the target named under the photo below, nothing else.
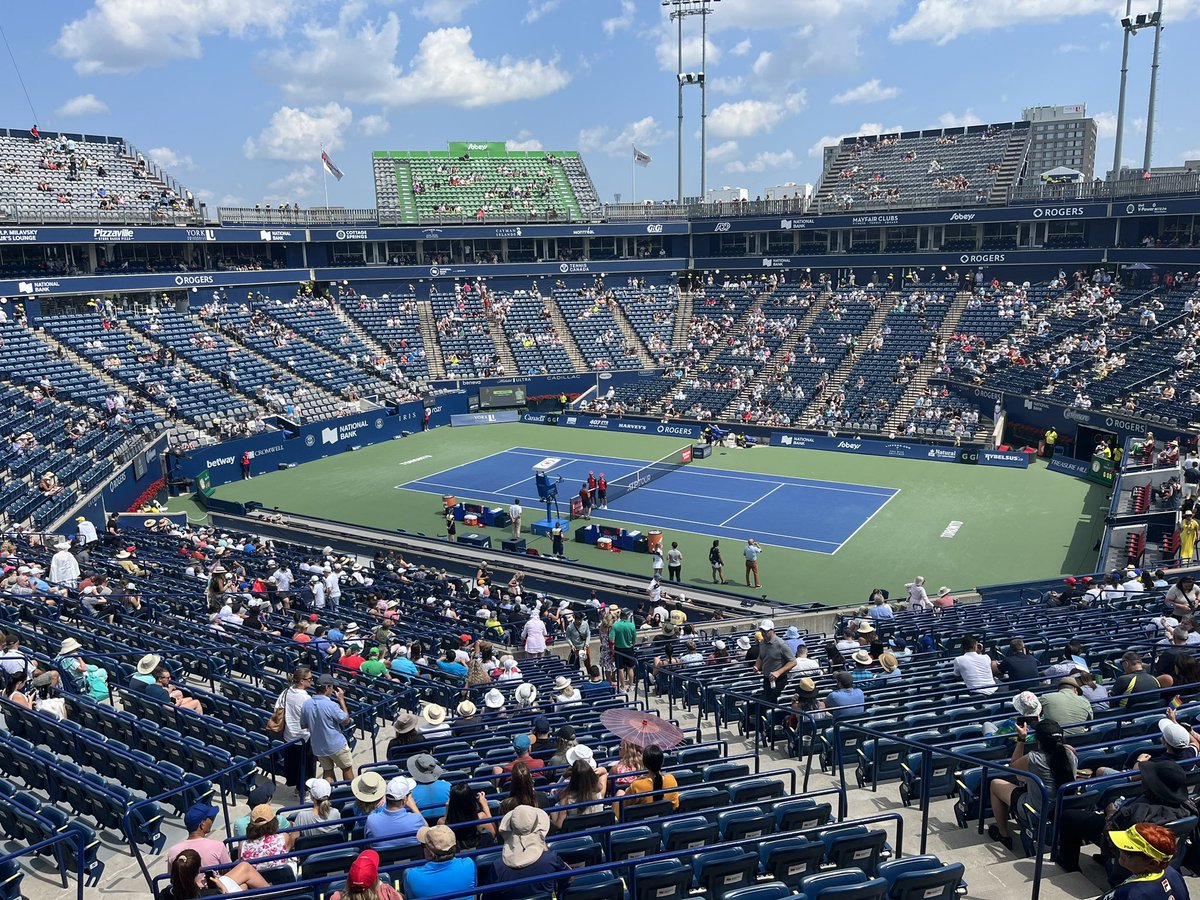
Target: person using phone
(325, 716)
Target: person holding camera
(324, 716)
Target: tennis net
(619, 487)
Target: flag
(640, 158)
(330, 167)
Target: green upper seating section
(477, 180)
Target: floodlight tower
(680, 9)
(1131, 25)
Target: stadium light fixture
(681, 9)
(1131, 25)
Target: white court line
(815, 484)
(868, 519)
(748, 505)
(460, 465)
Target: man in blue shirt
(401, 664)
(442, 873)
(324, 716)
(881, 612)
(396, 823)
(596, 687)
(431, 793)
(451, 666)
(846, 699)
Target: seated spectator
(164, 691)
(846, 699)
(975, 668)
(467, 720)
(431, 792)
(188, 882)
(862, 666)
(655, 780)
(1164, 799)
(1051, 760)
(1146, 851)
(521, 791)
(525, 855)
(586, 782)
(466, 812)
(312, 819)
(362, 881)
(543, 747)
(1017, 664)
(198, 821)
(568, 695)
(432, 723)
(1068, 705)
(263, 840)
(368, 790)
(596, 686)
(442, 872)
(1135, 686)
(521, 746)
(890, 668)
(397, 822)
(406, 735)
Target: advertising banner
(872, 447)
(485, 418)
(1007, 459)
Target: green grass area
(1016, 524)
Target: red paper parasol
(642, 728)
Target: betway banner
(630, 426)
(871, 447)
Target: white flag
(640, 158)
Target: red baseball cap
(314, 617)
(364, 871)
(1070, 580)
(1087, 579)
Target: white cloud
(1106, 124)
(722, 151)
(373, 126)
(1072, 48)
(621, 21)
(447, 71)
(443, 12)
(169, 159)
(645, 132)
(743, 118)
(944, 20)
(871, 91)
(868, 128)
(741, 48)
(83, 105)
(539, 8)
(733, 85)
(523, 141)
(294, 186)
(338, 62)
(667, 51)
(298, 134)
(122, 36)
(952, 120)
(763, 62)
(762, 162)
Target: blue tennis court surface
(797, 513)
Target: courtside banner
(1080, 468)
(632, 426)
(1006, 459)
(863, 446)
(485, 418)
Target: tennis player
(585, 500)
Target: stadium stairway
(632, 338)
(81, 361)
(564, 332)
(683, 321)
(921, 378)
(771, 369)
(838, 380)
(503, 347)
(1011, 166)
(429, 335)
(376, 348)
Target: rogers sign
(1057, 212)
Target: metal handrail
(75, 837)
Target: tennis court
(796, 513)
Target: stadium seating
(535, 343)
(129, 190)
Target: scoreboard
(501, 397)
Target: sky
(236, 98)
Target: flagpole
(633, 189)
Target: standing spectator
(525, 855)
(775, 661)
(624, 635)
(717, 563)
(918, 598)
(751, 551)
(87, 532)
(246, 465)
(324, 716)
(64, 568)
(656, 562)
(442, 873)
(579, 636)
(297, 763)
(674, 563)
(534, 635)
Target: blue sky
(235, 97)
